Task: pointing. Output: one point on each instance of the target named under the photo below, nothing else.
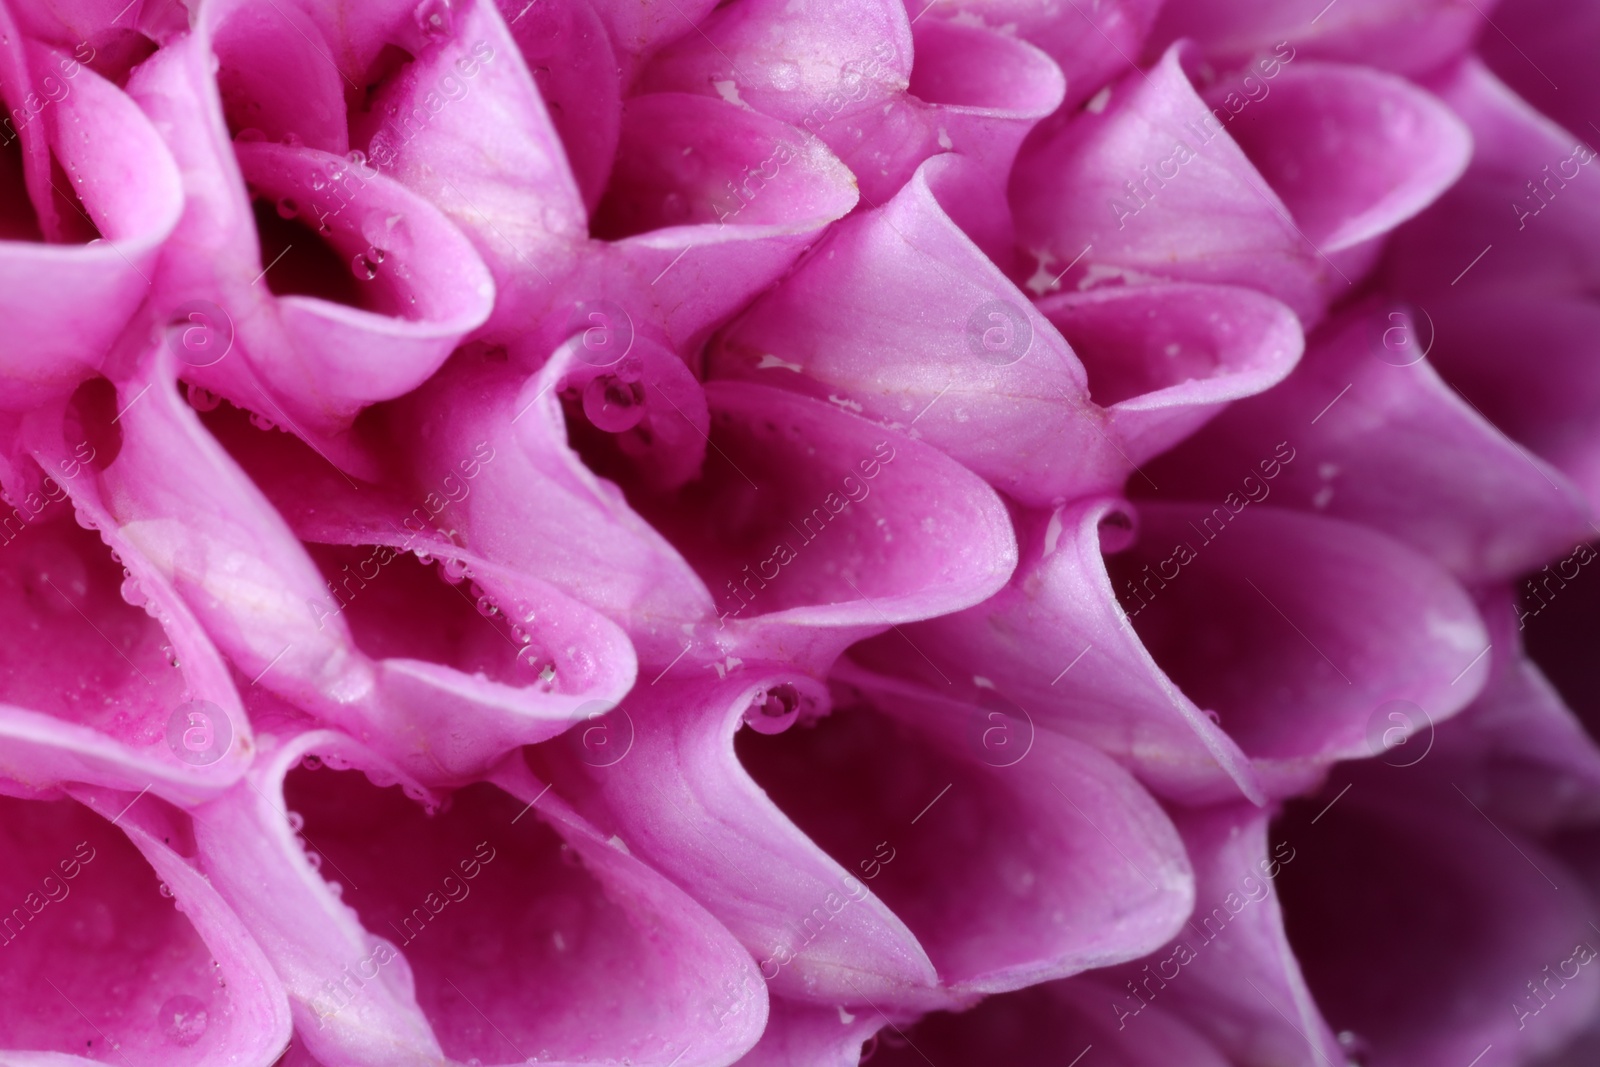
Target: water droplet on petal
(297, 822)
(164, 889)
(774, 710)
(453, 569)
(363, 267)
(612, 404)
(434, 18)
(486, 607)
(1356, 1050)
(287, 207)
(261, 422)
(183, 1019)
(202, 399)
(133, 593)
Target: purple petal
(850, 859)
(435, 925)
(1513, 983)
(1405, 36)
(1297, 630)
(102, 965)
(1381, 440)
(1056, 644)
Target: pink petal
(101, 958)
(1352, 152)
(901, 316)
(1158, 191)
(1405, 36)
(393, 966)
(1232, 974)
(1165, 359)
(1381, 440)
(1054, 644)
(908, 939)
(1297, 630)
(65, 303)
(1091, 43)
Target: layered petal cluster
(797, 533)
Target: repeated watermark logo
(1542, 991)
(53, 888)
(999, 731)
(199, 732)
(1540, 588)
(1252, 889)
(605, 331)
(999, 333)
(602, 733)
(1253, 489)
(1153, 177)
(1399, 733)
(338, 993)
(1395, 338)
(199, 333)
(51, 90)
(1543, 194)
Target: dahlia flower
(799, 533)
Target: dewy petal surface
(400, 932)
(1382, 440)
(865, 910)
(125, 952)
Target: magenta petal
(843, 526)
(1508, 259)
(1467, 961)
(885, 931)
(690, 244)
(1539, 48)
(109, 676)
(1352, 152)
(1406, 36)
(1298, 631)
(1092, 43)
(1158, 188)
(680, 799)
(538, 509)
(799, 1034)
(65, 303)
(1043, 1025)
(125, 952)
(901, 317)
(1517, 751)
(1380, 439)
(467, 678)
(1165, 359)
(1232, 974)
(469, 132)
(1054, 643)
(369, 317)
(846, 75)
(569, 946)
(575, 67)
(743, 525)
(270, 81)
(814, 64)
